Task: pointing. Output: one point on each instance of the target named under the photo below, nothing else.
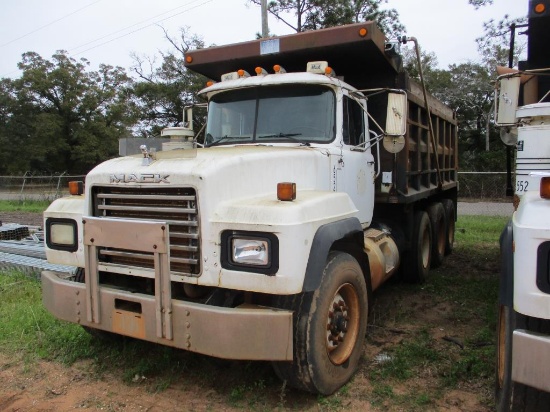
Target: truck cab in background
(523, 328)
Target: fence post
(58, 184)
(23, 186)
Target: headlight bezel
(227, 251)
(73, 227)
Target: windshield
(299, 113)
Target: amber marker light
(240, 72)
(286, 191)
(76, 187)
(278, 69)
(210, 83)
(363, 32)
(260, 71)
(540, 8)
(545, 187)
(328, 71)
(189, 59)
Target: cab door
(354, 168)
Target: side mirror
(396, 122)
(396, 116)
(507, 102)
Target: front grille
(175, 206)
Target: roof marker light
(210, 83)
(540, 8)
(235, 75)
(329, 72)
(189, 58)
(278, 69)
(260, 71)
(363, 32)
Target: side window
(353, 122)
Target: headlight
(62, 234)
(250, 251)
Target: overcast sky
(108, 31)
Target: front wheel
(330, 325)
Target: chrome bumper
(248, 332)
(531, 359)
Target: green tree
(163, 91)
(318, 14)
(65, 117)
(480, 3)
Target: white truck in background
(267, 241)
(523, 328)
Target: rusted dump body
(360, 60)
(426, 166)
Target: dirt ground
(52, 386)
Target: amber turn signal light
(76, 187)
(286, 191)
(545, 187)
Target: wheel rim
(426, 248)
(342, 324)
(501, 346)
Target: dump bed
(360, 60)
(357, 53)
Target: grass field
(427, 345)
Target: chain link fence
(36, 186)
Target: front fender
(295, 224)
(326, 236)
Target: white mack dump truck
(523, 350)
(267, 241)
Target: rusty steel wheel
(343, 324)
(329, 328)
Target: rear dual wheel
(330, 325)
(450, 217)
(438, 221)
(418, 259)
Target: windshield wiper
(223, 138)
(289, 136)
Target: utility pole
(265, 29)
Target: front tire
(330, 325)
